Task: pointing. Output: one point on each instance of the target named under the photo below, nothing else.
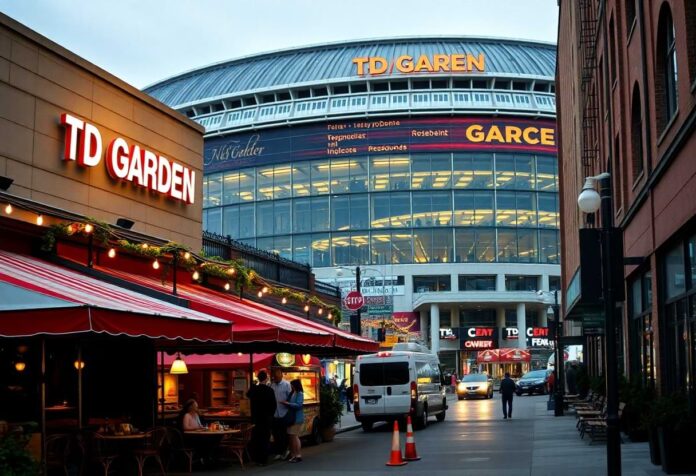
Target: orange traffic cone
(411, 454)
(395, 459)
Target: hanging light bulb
(330, 316)
(144, 246)
(265, 289)
(320, 311)
(111, 253)
(89, 228)
(260, 294)
(227, 286)
(284, 300)
(79, 364)
(20, 365)
(8, 209)
(306, 308)
(196, 276)
(230, 271)
(178, 366)
(239, 354)
(187, 255)
(39, 220)
(156, 264)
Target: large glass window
(399, 210)
(340, 212)
(282, 223)
(214, 221)
(301, 180)
(506, 214)
(320, 214)
(282, 181)
(482, 165)
(359, 212)
(424, 284)
(674, 272)
(320, 177)
(381, 248)
(246, 221)
(230, 221)
(399, 172)
(504, 171)
(321, 256)
(264, 183)
(340, 176)
(301, 215)
(547, 173)
(507, 245)
(247, 185)
(462, 170)
(340, 248)
(215, 190)
(476, 283)
(548, 210)
(402, 247)
(379, 174)
(358, 175)
(548, 246)
(264, 218)
(432, 209)
(431, 171)
(521, 283)
(527, 246)
(230, 188)
(432, 246)
(301, 248)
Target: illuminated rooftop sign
(407, 64)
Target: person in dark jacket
(507, 389)
(263, 405)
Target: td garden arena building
(429, 162)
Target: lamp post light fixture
(590, 201)
(559, 385)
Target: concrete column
(544, 282)
(424, 327)
(454, 312)
(543, 318)
(434, 328)
(500, 282)
(521, 326)
(500, 324)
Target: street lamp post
(590, 201)
(559, 387)
(355, 324)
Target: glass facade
(400, 209)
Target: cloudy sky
(143, 41)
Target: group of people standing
(276, 409)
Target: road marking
(474, 460)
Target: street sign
(354, 300)
(379, 310)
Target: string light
(196, 276)
(264, 290)
(112, 253)
(239, 354)
(306, 308)
(320, 311)
(89, 228)
(330, 316)
(20, 365)
(260, 294)
(155, 264)
(79, 364)
(8, 209)
(227, 286)
(284, 300)
(39, 220)
(230, 271)
(187, 255)
(144, 246)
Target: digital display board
(377, 136)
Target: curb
(347, 428)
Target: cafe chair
(98, 450)
(152, 448)
(238, 444)
(176, 446)
(58, 452)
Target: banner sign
(408, 321)
(375, 137)
(406, 64)
(478, 338)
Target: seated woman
(191, 421)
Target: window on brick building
(636, 135)
(666, 69)
(617, 175)
(690, 17)
(613, 57)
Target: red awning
(256, 322)
(219, 361)
(41, 298)
(514, 355)
(487, 356)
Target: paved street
(474, 440)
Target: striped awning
(41, 298)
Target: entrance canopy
(503, 356)
(40, 298)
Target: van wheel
(423, 420)
(366, 426)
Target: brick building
(626, 93)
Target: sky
(144, 41)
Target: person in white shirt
(282, 391)
(191, 420)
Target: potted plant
(330, 411)
(675, 433)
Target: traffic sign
(379, 310)
(354, 300)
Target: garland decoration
(243, 277)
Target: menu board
(377, 136)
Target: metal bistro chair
(58, 451)
(98, 450)
(176, 445)
(238, 445)
(152, 448)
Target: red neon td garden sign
(129, 162)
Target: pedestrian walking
(349, 398)
(453, 383)
(263, 406)
(507, 390)
(295, 405)
(551, 383)
(282, 390)
(572, 379)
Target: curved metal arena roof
(334, 63)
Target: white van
(404, 381)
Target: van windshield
(380, 374)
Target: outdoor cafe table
(206, 441)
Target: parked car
(535, 381)
(475, 385)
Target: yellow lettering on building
(404, 64)
(360, 63)
(436, 63)
(378, 65)
(547, 136)
(531, 135)
(479, 62)
(475, 133)
(458, 64)
(527, 134)
(423, 64)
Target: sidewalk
(558, 449)
(347, 421)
